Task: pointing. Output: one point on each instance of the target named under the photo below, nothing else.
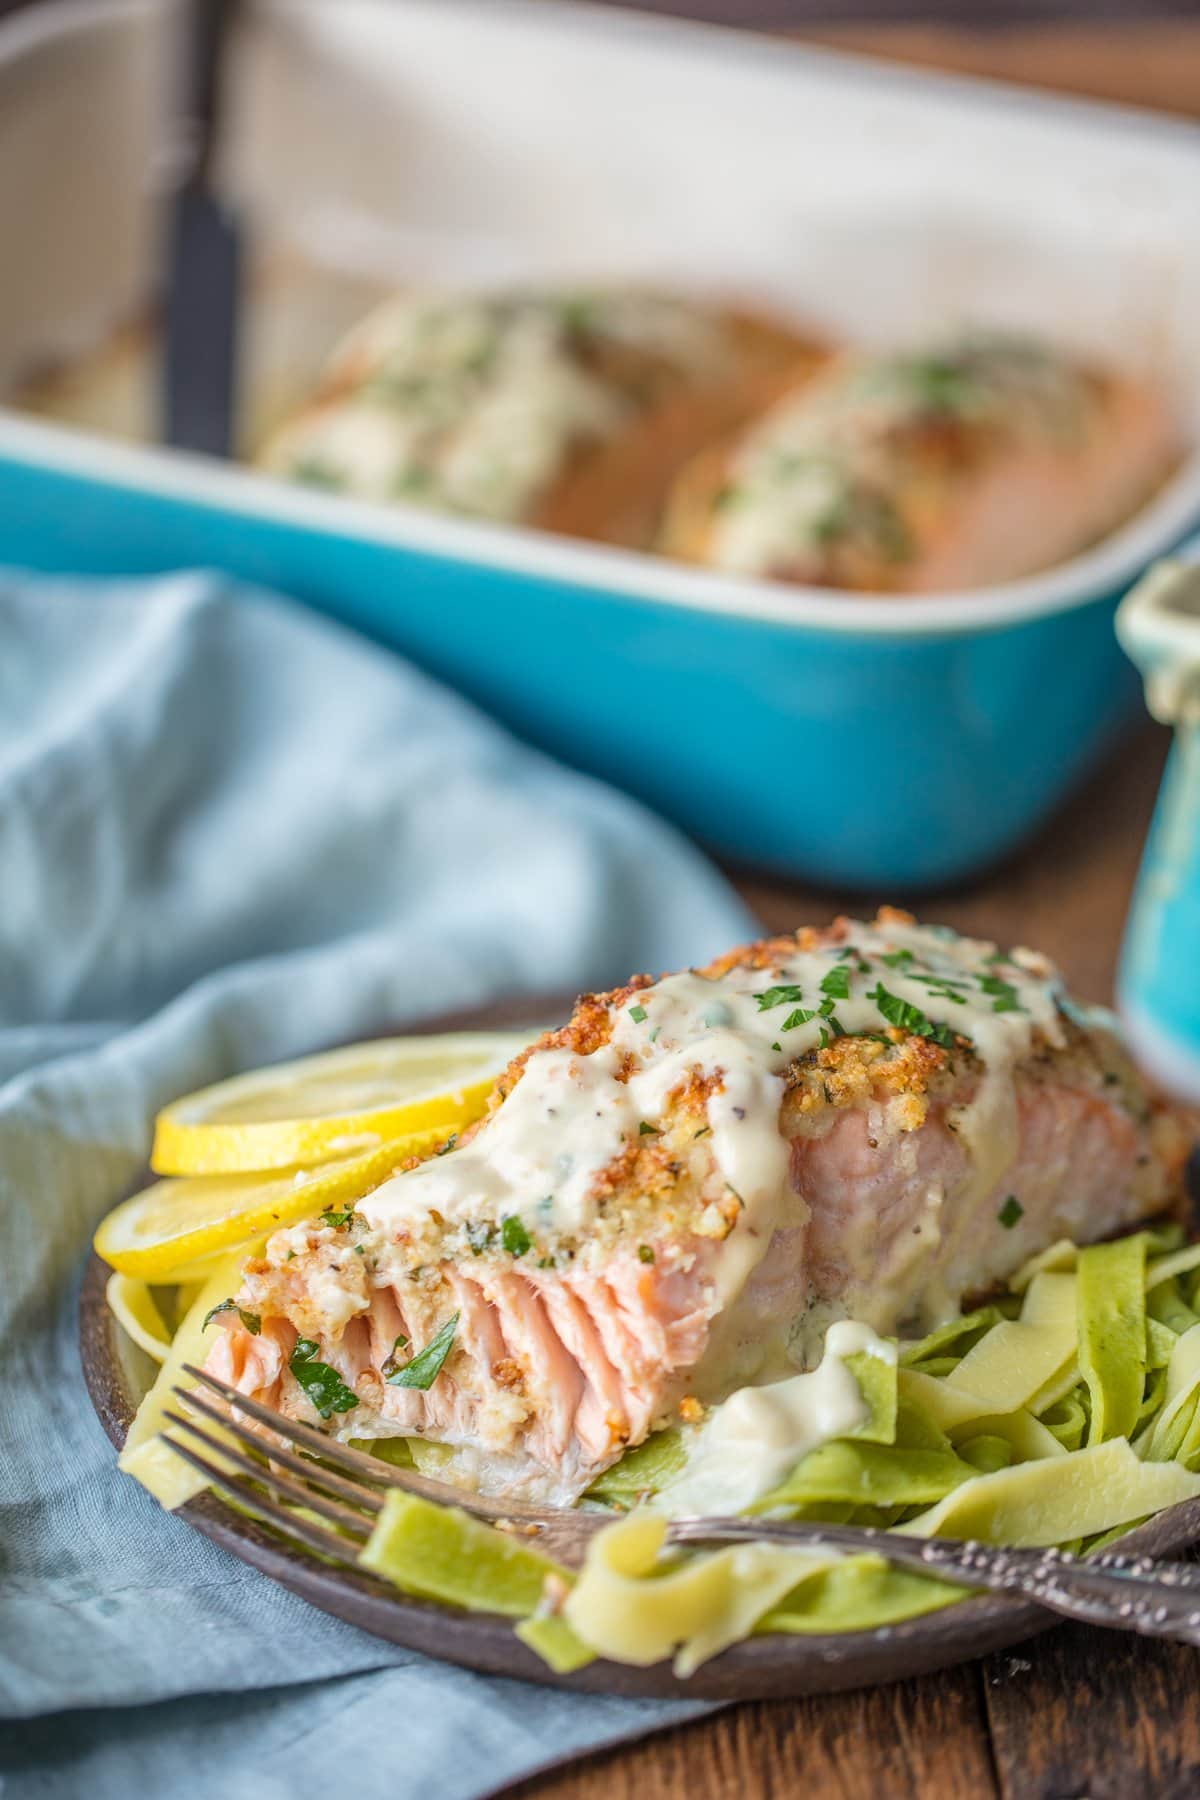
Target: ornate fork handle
(1127, 1593)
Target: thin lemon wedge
(333, 1105)
(162, 1232)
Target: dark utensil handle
(203, 253)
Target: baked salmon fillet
(570, 410)
(674, 1196)
(973, 460)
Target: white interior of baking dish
(384, 141)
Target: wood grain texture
(1090, 1714)
(1079, 1713)
(1155, 62)
(925, 1738)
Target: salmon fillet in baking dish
(978, 458)
(676, 1193)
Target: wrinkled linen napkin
(231, 833)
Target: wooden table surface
(1079, 1714)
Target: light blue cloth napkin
(230, 833)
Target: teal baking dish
(869, 743)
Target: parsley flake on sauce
(425, 1367)
(323, 1385)
(836, 985)
(907, 1017)
(786, 995)
(335, 1220)
(252, 1321)
(513, 1236)
(1011, 1212)
(1004, 994)
(637, 1014)
(942, 989)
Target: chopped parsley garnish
(779, 1047)
(654, 1033)
(1010, 1212)
(1004, 994)
(801, 1016)
(897, 959)
(425, 1367)
(787, 995)
(514, 1237)
(645, 1253)
(323, 1385)
(851, 950)
(316, 473)
(335, 1220)
(836, 985)
(703, 1131)
(480, 1235)
(941, 989)
(401, 1343)
(645, 1130)
(637, 1014)
(907, 1017)
(252, 1321)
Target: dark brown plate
(117, 1373)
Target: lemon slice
(334, 1105)
(132, 1304)
(145, 1456)
(169, 1227)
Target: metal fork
(299, 1466)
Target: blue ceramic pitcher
(1159, 983)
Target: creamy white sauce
(825, 467)
(569, 1116)
(753, 1440)
(472, 404)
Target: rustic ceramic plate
(118, 1373)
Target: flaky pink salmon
(676, 1193)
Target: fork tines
(252, 1491)
(273, 1465)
